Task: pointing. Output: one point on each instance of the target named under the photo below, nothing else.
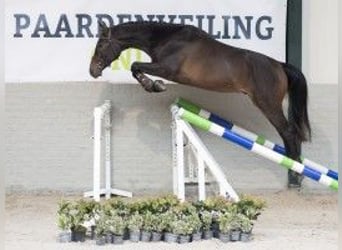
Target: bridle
(114, 47)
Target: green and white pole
(282, 160)
(250, 135)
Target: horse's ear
(102, 25)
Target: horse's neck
(136, 38)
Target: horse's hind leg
(274, 113)
(140, 69)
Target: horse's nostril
(92, 72)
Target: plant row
(160, 218)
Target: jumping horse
(187, 55)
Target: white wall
(49, 129)
(320, 41)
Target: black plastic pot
(92, 232)
(196, 236)
(118, 239)
(145, 236)
(100, 240)
(216, 229)
(170, 237)
(235, 235)
(156, 236)
(126, 234)
(245, 237)
(208, 234)
(78, 236)
(224, 237)
(109, 238)
(134, 236)
(64, 236)
(184, 239)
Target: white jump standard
(180, 130)
(103, 112)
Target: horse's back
(211, 65)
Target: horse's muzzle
(95, 72)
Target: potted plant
(134, 225)
(90, 209)
(235, 225)
(158, 227)
(182, 228)
(168, 218)
(196, 225)
(246, 229)
(250, 206)
(64, 221)
(146, 230)
(77, 216)
(224, 226)
(100, 230)
(207, 219)
(117, 228)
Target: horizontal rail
(251, 136)
(246, 143)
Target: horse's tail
(298, 101)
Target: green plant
(207, 220)
(235, 223)
(163, 203)
(158, 223)
(64, 219)
(250, 206)
(76, 215)
(101, 226)
(115, 224)
(217, 203)
(225, 222)
(185, 208)
(147, 222)
(181, 227)
(246, 224)
(167, 219)
(135, 222)
(194, 221)
(117, 206)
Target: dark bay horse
(188, 55)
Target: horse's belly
(206, 77)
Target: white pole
(180, 163)
(108, 149)
(97, 153)
(201, 178)
(174, 129)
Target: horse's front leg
(140, 69)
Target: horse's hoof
(294, 179)
(159, 86)
(147, 84)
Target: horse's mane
(158, 25)
(150, 23)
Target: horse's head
(107, 50)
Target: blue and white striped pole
(256, 148)
(251, 136)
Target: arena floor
(292, 220)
